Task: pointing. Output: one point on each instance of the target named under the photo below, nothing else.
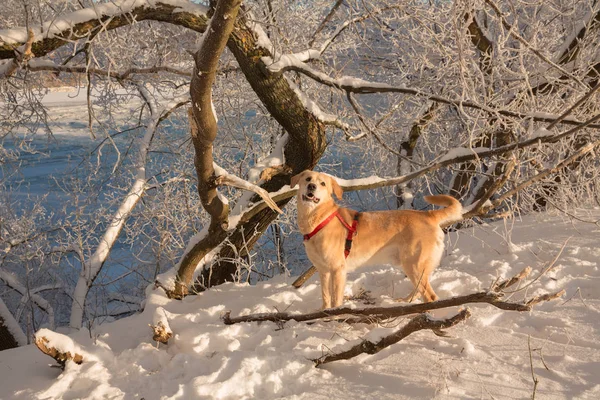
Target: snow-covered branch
(75, 25)
(361, 86)
(225, 178)
(22, 55)
(12, 282)
(47, 65)
(454, 156)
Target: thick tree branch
(203, 124)
(107, 16)
(11, 334)
(22, 55)
(27, 295)
(374, 182)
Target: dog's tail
(451, 213)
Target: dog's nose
(311, 186)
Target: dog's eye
(322, 183)
(308, 179)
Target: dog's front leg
(326, 288)
(339, 285)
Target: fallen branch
(500, 286)
(420, 322)
(492, 298)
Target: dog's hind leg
(427, 291)
(419, 269)
(426, 266)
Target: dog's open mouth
(310, 197)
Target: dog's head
(315, 188)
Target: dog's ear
(337, 189)
(295, 179)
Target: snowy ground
(486, 357)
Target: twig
(535, 380)
(535, 51)
(545, 297)
(497, 287)
(579, 102)
(548, 268)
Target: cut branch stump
(61, 357)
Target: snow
(542, 132)
(311, 106)
(274, 159)
(461, 152)
(262, 39)
(62, 343)
(371, 180)
(287, 60)
(485, 357)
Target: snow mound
(488, 356)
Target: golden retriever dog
(339, 239)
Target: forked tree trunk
(303, 150)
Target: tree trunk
(303, 150)
(11, 334)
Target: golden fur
(412, 240)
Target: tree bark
(203, 126)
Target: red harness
(351, 230)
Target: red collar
(351, 229)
